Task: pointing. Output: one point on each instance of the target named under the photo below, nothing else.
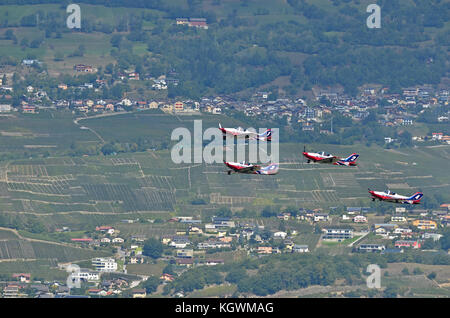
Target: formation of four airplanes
(322, 157)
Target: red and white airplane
(245, 167)
(390, 196)
(323, 157)
(240, 132)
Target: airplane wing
(244, 169)
(249, 169)
(329, 160)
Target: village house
(87, 275)
(360, 219)
(187, 262)
(300, 249)
(405, 243)
(320, 217)
(22, 277)
(167, 277)
(337, 234)
(104, 264)
(118, 240)
(179, 106)
(137, 259)
(179, 242)
(425, 224)
(435, 236)
(27, 109)
(213, 262)
(106, 229)
(11, 291)
(139, 293)
(397, 218)
(371, 248)
(280, 234)
(84, 68)
(264, 250)
(185, 253)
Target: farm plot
(45, 269)
(296, 196)
(4, 189)
(346, 180)
(154, 200)
(63, 253)
(58, 188)
(28, 170)
(123, 161)
(159, 182)
(113, 192)
(27, 207)
(51, 207)
(5, 234)
(13, 249)
(217, 198)
(325, 196)
(3, 173)
(60, 161)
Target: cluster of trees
(294, 271)
(237, 53)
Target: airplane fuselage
(236, 132)
(392, 197)
(251, 169)
(318, 157)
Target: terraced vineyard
(88, 190)
(12, 247)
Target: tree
(153, 248)
(445, 240)
(432, 275)
(151, 284)
(428, 244)
(391, 292)
(224, 212)
(236, 275)
(168, 269)
(268, 212)
(116, 39)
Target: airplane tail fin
(352, 157)
(416, 196)
(270, 169)
(220, 126)
(267, 135)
